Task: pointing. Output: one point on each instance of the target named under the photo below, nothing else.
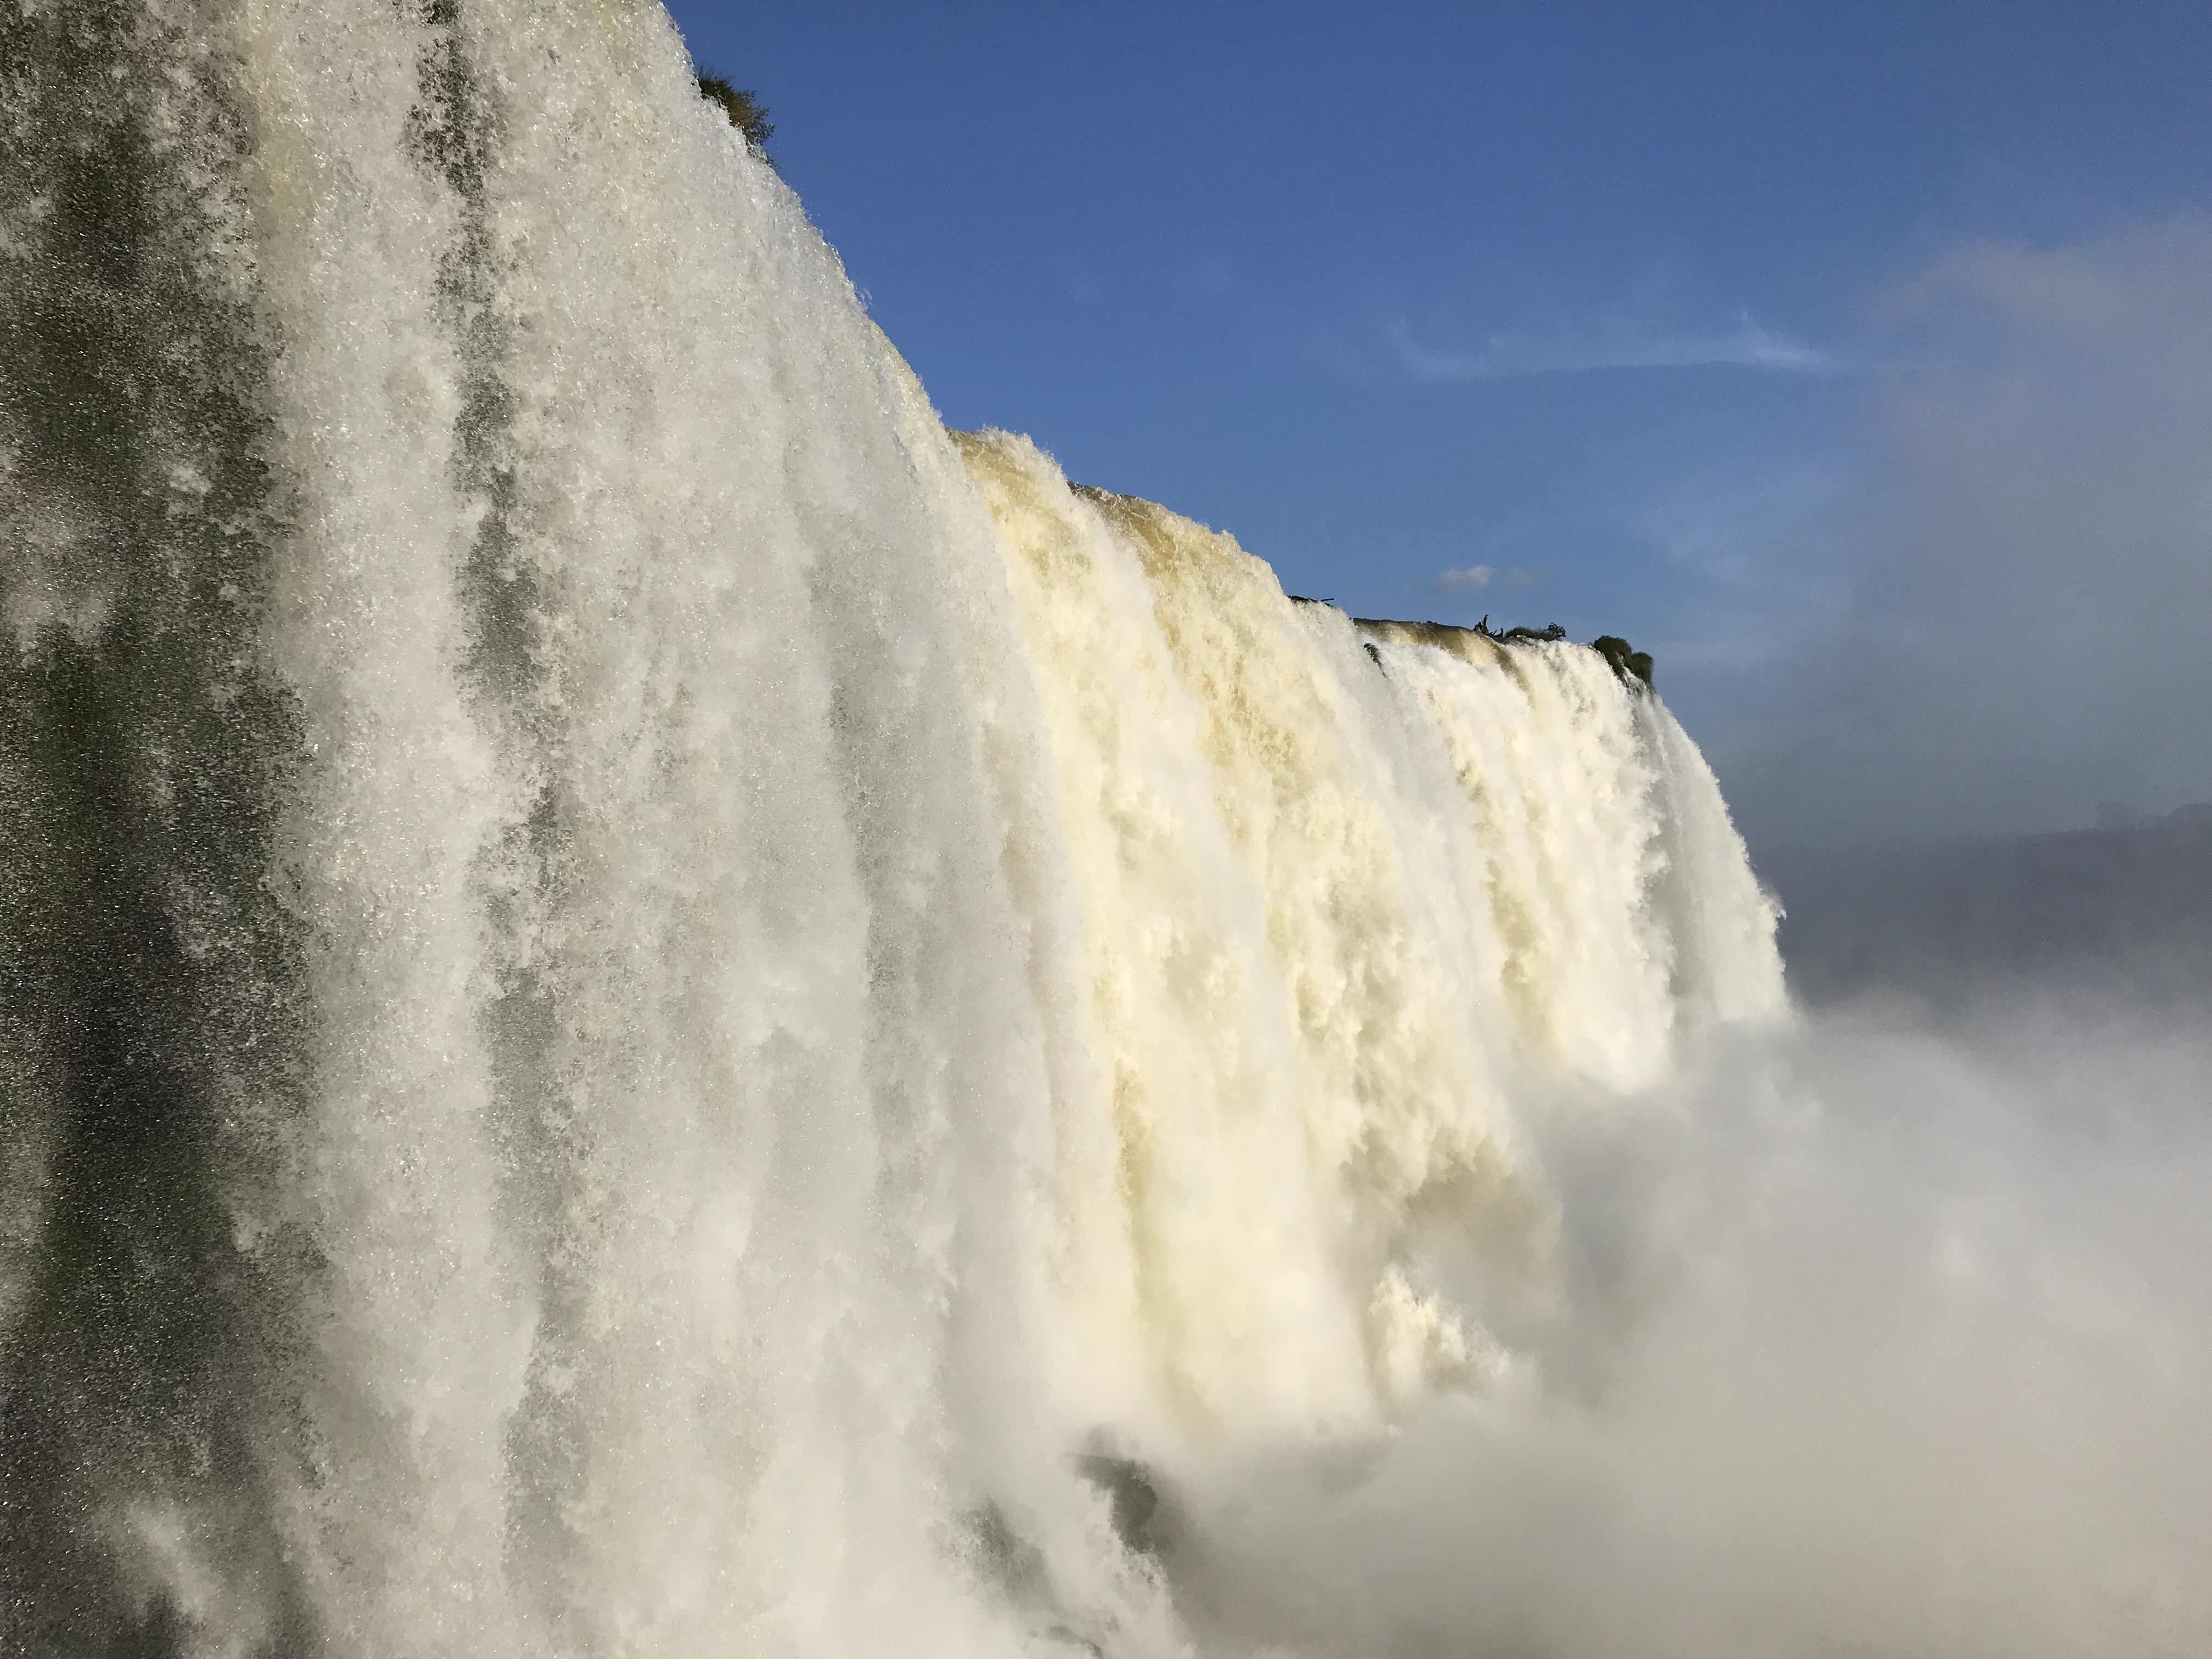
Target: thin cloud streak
(1463, 582)
(1749, 344)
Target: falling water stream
(647, 1006)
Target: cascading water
(652, 1009)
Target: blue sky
(1686, 322)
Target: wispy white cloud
(1484, 578)
(1612, 341)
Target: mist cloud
(1871, 1341)
(2025, 636)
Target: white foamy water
(653, 1009)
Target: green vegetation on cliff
(746, 112)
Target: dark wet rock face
(1012, 1565)
(151, 979)
(1134, 1501)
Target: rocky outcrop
(1627, 661)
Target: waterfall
(648, 1007)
